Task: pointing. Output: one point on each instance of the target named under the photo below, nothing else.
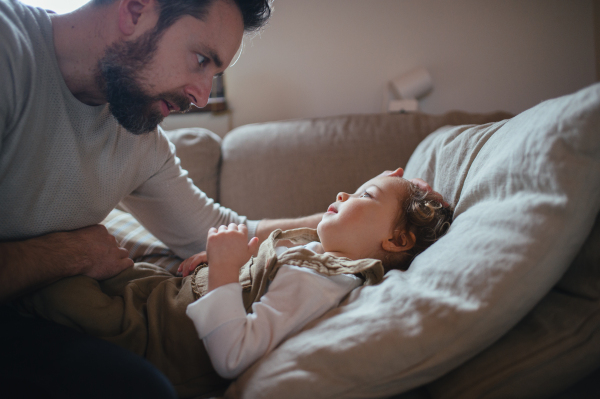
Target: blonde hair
(423, 214)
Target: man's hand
(228, 250)
(30, 264)
(190, 264)
(95, 252)
(422, 184)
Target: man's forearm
(266, 226)
(28, 265)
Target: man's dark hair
(255, 13)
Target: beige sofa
(295, 168)
(506, 305)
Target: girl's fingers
(230, 227)
(253, 246)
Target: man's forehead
(219, 34)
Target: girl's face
(356, 225)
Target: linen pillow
(554, 346)
(526, 192)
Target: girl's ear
(400, 241)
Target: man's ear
(137, 14)
(400, 241)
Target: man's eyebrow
(216, 59)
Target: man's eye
(201, 59)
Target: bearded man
(80, 100)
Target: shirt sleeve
(234, 340)
(17, 66)
(172, 208)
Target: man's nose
(199, 91)
(342, 196)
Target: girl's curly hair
(423, 214)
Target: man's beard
(118, 74)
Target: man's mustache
(182, 102)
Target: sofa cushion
(526, 193)
(295, 168)
(141, 244)
(199, 151)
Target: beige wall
(328, 57)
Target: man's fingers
(190, 264)
(201, 257)
(423, 185)
(398, 172)
(183, 265)
(123, 252)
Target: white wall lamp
(408, 89)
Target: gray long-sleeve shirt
(65, 165)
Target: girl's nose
(342, 196)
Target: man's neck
(80, 39)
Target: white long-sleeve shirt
(234, 340)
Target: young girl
(383, 226)
(243, 313)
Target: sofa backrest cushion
(295, 168)
(199, 151)
(526, 193)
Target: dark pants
(41, 359)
